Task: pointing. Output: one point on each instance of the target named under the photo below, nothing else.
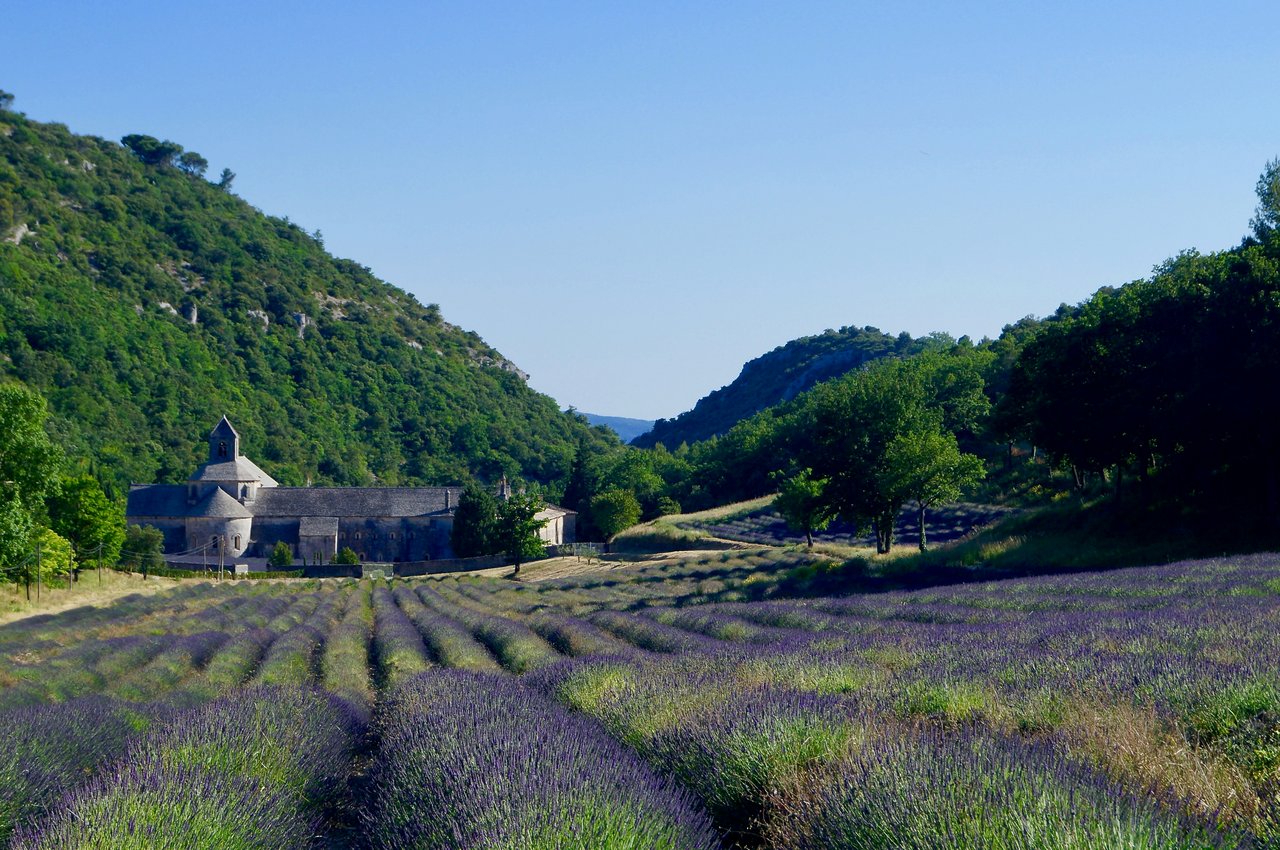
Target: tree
(56, 558)
(614, 510)
(6, 100)
(474, 524)
(151, 150)
(346, 555)
(803, 503)
(83, 514)
(1266, 218)
(580, 487)
(929, 468)
(226, 179)
(28, 465)
(143, 548)
(281, 555)
(193, 163)
(517, 527)
(843, 429)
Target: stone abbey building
(230, 502)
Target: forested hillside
(778, 376)
(145, 301)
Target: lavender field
(668, 707)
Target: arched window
(222, 448)
(237, 541)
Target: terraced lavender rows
(1137, 708)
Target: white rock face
(19, 233)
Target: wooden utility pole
(39, 570)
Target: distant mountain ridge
(144, 302)
(778, 376)
(626, 429)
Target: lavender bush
(470, 760)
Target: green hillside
(145, 301)
(778, 376)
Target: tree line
(1161, 391)
(52, 518)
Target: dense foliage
(144, 302)
(1168, 381)
(777, 377)
(29, 463)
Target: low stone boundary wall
(449, 565)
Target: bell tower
(224, 443)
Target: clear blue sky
(630, 200)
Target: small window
(357, 535)
(222, 448)
(342, 535)
(237, 541)
(392, 535)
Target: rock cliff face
(778, 376)
(144, 302)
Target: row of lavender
(205, 762)
(1131, 709)
(1153, 693)
(107, 705)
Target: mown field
(653, 708)
(759, 523)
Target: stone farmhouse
(230, 502)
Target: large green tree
(54, 555)
(927, 467)
(29, 464)
(844, 429)
(614, 510)
(143, 548)
(802, 502)
(474, 523)
(83, 514)
(517, 527)
(1266, 218)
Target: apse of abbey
(230, 502)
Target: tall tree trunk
(923, 542)
(808, 536)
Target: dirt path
(554, 568)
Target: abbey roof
(240, 469)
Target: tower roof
(219, 504)
(241, 470)
(224, 429)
